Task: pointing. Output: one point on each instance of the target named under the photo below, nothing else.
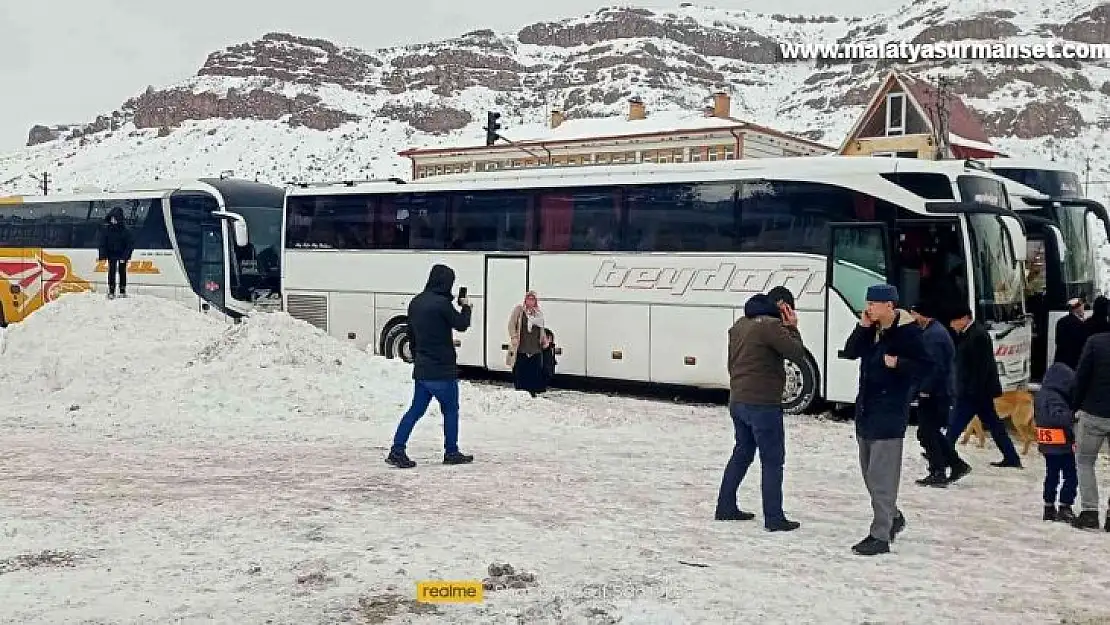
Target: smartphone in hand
(462, 295)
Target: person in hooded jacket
(1055, 423)
(432, 320)
(758, 343)
(116, 246)
(893, 360)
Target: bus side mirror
(1017, 238)
(238, 226)
(1060, 245)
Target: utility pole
(44, 182)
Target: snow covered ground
(235, 475)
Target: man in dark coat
(758, 343)
(1071, 332)
(432, 318)
(1092, 404)
(934, 401)
(893, 359)
(977, 384)
(1098, 322)
(116, 246)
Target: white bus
(642, 269)
(1063, 262)
(213, 244)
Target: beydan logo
(39, 278)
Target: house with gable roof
(909, 117)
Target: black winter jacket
(432, 319)
(1051, 407)
(116, 242)
(883, 401)
(1092, 378)
(976, 369)
(1071, 332)
(940, 381)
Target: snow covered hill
(286, 107)
(235, 474)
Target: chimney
(557, 117)
(722, 104)
(636, 109)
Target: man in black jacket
(934, 402)
(1092, 401)
(116, 246)
(977, 384)
(1071, 333)
(432, 319)
(892, 358)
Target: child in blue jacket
(1055, 421)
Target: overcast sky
(65, 61)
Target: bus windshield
(1078, 263)
(258, 265)
(1050, 182)
(999, 289)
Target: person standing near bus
(1071, 333)
(432, 319)
(889, 345)
(116, 246)
(526, 345)
(758, 343)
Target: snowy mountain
(286, 107)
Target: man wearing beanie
(888, 344)
(934, 401)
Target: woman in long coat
(526, 344)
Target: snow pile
(155, 365)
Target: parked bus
(642, 269)
(213, 244)
(1063, 262)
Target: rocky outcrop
(161, 109)
(1054, 118)
(612, 24)
(1090, 27)
(432, 119)
(984, 27)
(296, 60)
(44, 134)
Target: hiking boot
(400, 460)
(1065, 515)
(1007, 464)
(936, 480)
(1087, 520)
(959, 471)
(457, 458)
(871, 546)
(735, 515)
(897, 526)
(782, 525)
(1049, 513)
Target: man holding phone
(758, 343)
(432, 321)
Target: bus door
(506, 283)
(859, 256)
(20, 282)
(203, 248)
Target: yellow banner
(449, 591)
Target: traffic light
(492, 126)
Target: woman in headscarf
(526, 343)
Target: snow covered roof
(664, 122)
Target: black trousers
(114, 267)
(932, 418)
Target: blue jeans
(757, 428)
(446, 392)
(967, 409)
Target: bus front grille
(309, 308)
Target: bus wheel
(396, 343)
(801, 387)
